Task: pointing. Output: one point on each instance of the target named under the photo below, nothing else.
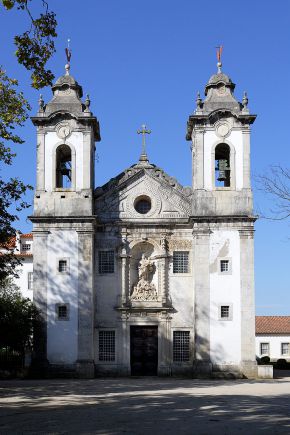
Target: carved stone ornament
(63, 130)
(179, 244)
(145, 290)
(222, 129)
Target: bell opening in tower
(63, 167)
(222, 166)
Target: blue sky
(144, 61)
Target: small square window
(26, 247)
(181, 346)
(62, 266)
(225, 312)
(30, 280)
(106, 261)
(264, 348)
(284, 348)
(180, 262)
(107, 346)
(62, 311)
(224, 265)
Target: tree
(18, 316)
(276, 184)
(34, 48)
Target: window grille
(30, 280)
(180, 262)
(106, 345)
(264, 348)
(106, 261)
(284, 348)
(224, 265)
(181, 340)
(62, 312)
(62, 266)
(26, 247)
(225, 311)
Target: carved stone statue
(145, 290)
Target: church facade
(143, 276)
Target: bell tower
(223, 229)
(219, 131)
(63, 229)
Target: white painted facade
(127, 290)
(274, 342)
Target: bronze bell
(222, 168)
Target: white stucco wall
(235, 139)
(275, 342)
(225, 335)
(51, 139)
(62, 335)
(22, 281)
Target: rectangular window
(106, 345)
(62, 311)
(26, 247)
(224, 265)
(62, 266)
(180, 262)
(284, 348)
(225, 312)
(106, 261)
(181, 346)
(30, 280)
(264, 348)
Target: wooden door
(144, 350)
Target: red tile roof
(272, 324)
(26, 236)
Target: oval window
(143, 204)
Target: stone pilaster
(246, 158)
(85, 362)
(40, 167)
(198, 159)
(201, 253)
(39, 361)
(248, 356)
(164, 343)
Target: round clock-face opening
(142, 204)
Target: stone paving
(145, 406)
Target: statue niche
(144, 289)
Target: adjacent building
(273, 337)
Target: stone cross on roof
(143, 131)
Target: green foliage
(18, 317)
(36, 45)
(13, 112)
(265, 360)
(34, 48)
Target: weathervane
(143, 131)
(68, 57)
(219, 57)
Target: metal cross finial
(219, 57)
(144, 131)
(68, 56)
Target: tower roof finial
(219, 57)
(68, 57)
